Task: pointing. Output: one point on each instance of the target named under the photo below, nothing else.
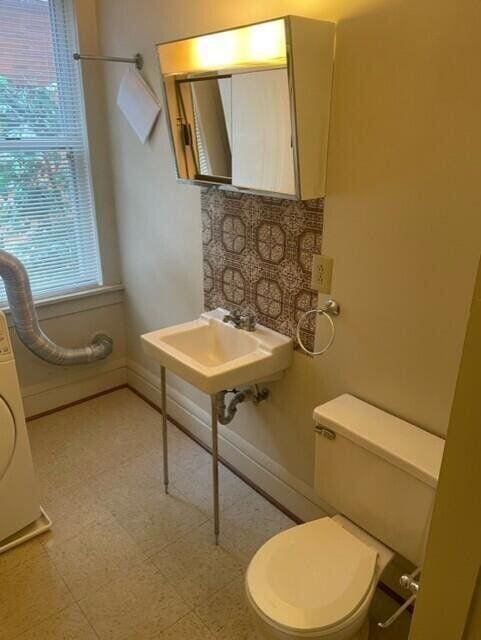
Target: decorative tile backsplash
(258, 255)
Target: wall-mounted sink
(214, 356)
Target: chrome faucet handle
(248, 319)
(232, 316)
(241, 319)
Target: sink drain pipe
(226, 412)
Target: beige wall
(453, 556)
(98, 139)
(402, 215)
(72, 324)
(473, 629)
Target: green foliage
(37, 189)
(28, 111)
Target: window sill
(75, 302)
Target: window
(47, 214)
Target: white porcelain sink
(213, 356)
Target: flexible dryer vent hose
(24, 315)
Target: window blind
(47, 216)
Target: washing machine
(21, 516)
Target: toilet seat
(311, 578)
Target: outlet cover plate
(321, 273)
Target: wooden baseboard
(76, 402)
(75, 385)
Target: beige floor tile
(63, 470)
(158, 519)
(124, 425)
(226, 614)
(126, 485)
(197, 488)
(30, 593)
(196, 566)
(248, 524)
(71, 431)
(80, 442)
(57, 431)
(138, 605)
(71, 511)
(189, 627)
(185, 455)
(123, 438)
(95, 556)
(71, 624)
(21, 554)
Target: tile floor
(123, 560)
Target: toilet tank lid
(410, 448)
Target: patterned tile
(258, 255)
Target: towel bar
(137, 59)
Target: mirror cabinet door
(262, 145)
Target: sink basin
(213, 356)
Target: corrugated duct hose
(24, 315)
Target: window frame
(63, 12)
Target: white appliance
(21, 516)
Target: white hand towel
(138, 103)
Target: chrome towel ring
(328, 309)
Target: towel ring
(328, 309)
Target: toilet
(379, 473)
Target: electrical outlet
(321, 273)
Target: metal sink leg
(215, 466)
(165, 451)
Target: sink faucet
(241, 320)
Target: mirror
(248, 108)
(263, 155)
(206, 112)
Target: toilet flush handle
(325, 432)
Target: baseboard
(271, 478)
(44, 398)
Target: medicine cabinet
(248, 108)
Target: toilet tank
(377, 470)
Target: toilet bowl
(316, 580)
